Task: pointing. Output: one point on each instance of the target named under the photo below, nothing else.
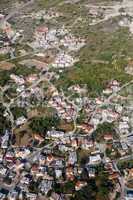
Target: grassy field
(114, 50)
(113, 47)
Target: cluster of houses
(46, 38)
(66, 110)
(29, 174)
(72, 43)
(22, 167)
(8, 37)
(113, 86)
(63, 60)
(46, 14)
(97, 111)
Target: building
(95, 159)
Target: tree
(18, 112)
(87, 192)
(4, 77)
(58, 188)
(33, 187)
(4, 123)
(108, 152)
(104, 185)
(43, 124)
(69, 187)
(102, 129)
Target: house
(78, 89)
(74, 143)
(63, 148)
(123, 128)
(119, 109)
(25, 180)
(91, 171)
(22, 153)
(38, 138)
(58, 163)
(72, 158)
(79, 185)
(124, 146)
(45, 186)
(69, 173)
(12, 195)
(34, 169)
(8, 30)
(107, 91)
(45, 38)
(87, 144)
(20, 88)
(5, 140)
(87, 128)
(31, 196)
(95, 159)
(21, 120)
(72, 43)
(9, 157)
(41, 31)
(108, 137)
(125, 119)
(3, 170)
(114, 176)
(58, 173)
(55, 134)
(63, 60)
(114, 85)
(42, 159)
(49, 159)
(79, 170)
(99, 100)
(17, 79)
(31, 78)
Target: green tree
(4, 123)
(43, 124)
(102, 129)
(87, 192)
(69, 187)
(18, 112)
